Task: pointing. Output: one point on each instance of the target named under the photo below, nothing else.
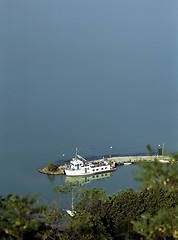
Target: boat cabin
(76, 164)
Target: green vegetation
(175, 156)
(151, 213)
(149, 148)
(52, 167)
(17, 217)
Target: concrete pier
(134, 159)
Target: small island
(53, 169)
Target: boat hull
(127, 163)
(164, 161)
(74, 173)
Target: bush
(52, 167)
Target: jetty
(118, 160)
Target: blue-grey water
(87, 74)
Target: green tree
(175, 156)
(156, 173)
(87, 222)
(162, 226)
(149, 148)
(52, 167)
(160, 195)
(152, 199)
(52, 224)
(100, 216)
(122, 208)
(18, 216)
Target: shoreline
(119, 160)
(60, 170)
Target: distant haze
(87, 74)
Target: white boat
(71, 212)
(79, 166)
(164, 161)
(127, 163)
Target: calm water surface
(86, 74)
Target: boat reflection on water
(81, 180)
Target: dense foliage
(151, 213)
(18, 217)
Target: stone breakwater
(134, 159)
(117, 160)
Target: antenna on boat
(76, 151)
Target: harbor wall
(133, 159)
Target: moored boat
(79, 166)
(126, 163)
(164, 160)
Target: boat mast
(163, 148)
(76, 151)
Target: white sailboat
(163, 159)
(71, 211)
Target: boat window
(93, 170)
(105, 167)
(102, 168)
(97, 169)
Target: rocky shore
(59, 171)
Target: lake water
(85, 74)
